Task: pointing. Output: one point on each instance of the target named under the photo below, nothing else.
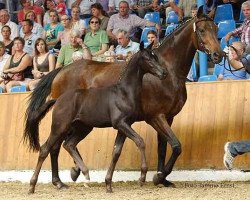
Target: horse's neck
(132, 77)
(178, 51)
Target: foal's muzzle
(217, 57)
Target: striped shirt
(243, 32)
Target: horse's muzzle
(164, 74)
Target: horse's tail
(31, 132)
(36, 100)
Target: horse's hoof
(74, 173)
(109, 190)
(61, 185)
(142, 181)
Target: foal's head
(205, 36)
(149, 63)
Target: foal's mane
(126, 64)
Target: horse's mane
(168, 37)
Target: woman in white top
(64, 36)
(3, 59)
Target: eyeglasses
(65, 19)
(94, 22)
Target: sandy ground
(129, 190)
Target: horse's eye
(202, 30)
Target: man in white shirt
(29, 37)
(5, 20)
(125, 47)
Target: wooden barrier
(213, 114)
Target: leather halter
(199, 38)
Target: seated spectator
(52, 29)
(61, 7)
(141, 7)
(29, 37)
(3, 59)
(76, 45)
(84, 6)
(18, 67)
(186, 6)
(114, 6)
(125, 21)
(26, 4)
(96, 40)
(37, 30)
(97, 11)
(38, 2)
(5, 20)
(2, 4)
(236, 50)
(125, 46)
(165, 8)
(77, 23)
(43, 62)
(64, 36)
(6, 32)
(153, 37)
(48, 5)
(244, 30)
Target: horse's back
(85, 74)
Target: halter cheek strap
(199, 38)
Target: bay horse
(114, 106)
(161, 100)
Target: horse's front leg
(126, 129)
(119, 141)
(161, 125)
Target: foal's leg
(70, 145)
(119, 141)
(124, 128)
(161, 125)
(54, 165)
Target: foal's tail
(31, 132)
(36, 101)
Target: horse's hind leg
(70, 145)
(43, 153)
(161, 125)
(124, 128)
(75, 171)
(119, 141)
(54, 165)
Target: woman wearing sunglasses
(96, 40)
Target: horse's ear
(141, 46)
(212, 13)
(150, 45)
(200, 11)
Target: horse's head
(205, 36)
(150, 63)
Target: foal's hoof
(60, 185)
(158, 178)
(74, 173)
(31, 191)
(168, 184)
(142, 181)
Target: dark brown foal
(78, 111)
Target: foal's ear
(141, 46)
(200, 11)
(150, 45)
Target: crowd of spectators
(54, 33)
